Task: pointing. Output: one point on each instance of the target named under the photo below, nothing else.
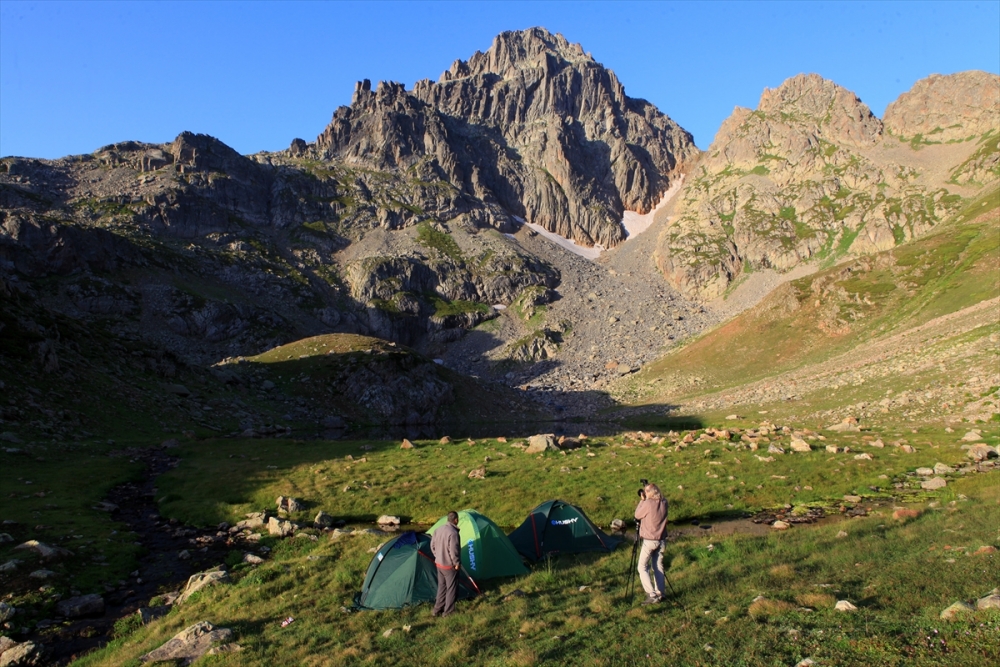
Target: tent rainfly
(402, 573)
(556, 527)
(486, 551)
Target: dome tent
(402, 573)
(486, 551)
(557, 527)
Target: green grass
(802, 573)
(439, 241)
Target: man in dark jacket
(448, 559)
(652, 516)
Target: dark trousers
(447, 588)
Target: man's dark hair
(452, 517)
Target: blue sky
(75, 76)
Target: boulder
(781, 525)
(6, 612)
(981, 452)
(478, 473)
(323, 520)
(864, 456)
(942, 469)
(844, 605)
(189, 644)
(989, 602)
(406, 444)
(957, 611)
(904, 513)
(44, 550)
(775, 449)
(80, 606)
(42, 574)
(388, 520)
(149, 614)
(934, 484)
(9, 566)
(253, 521)
(197, 582)
(288, 504)
(924, 472)
(800, 445)
(541, 443)
(280, 528)
(832, 449)
(252, 559)
(972, 436)
(13, 654)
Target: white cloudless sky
(75, 76)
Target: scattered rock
(877, 443)
(13, 654)
(908, 449)
(189, 644)
(985, 549)
(444, 441)
(853, 499)
(149, 614)
(184, 555)
(781, 525)
(253, 521)
(865, 456)
(280, 528)
(197, 582)
(957, 611)
(478, 473)
(844, 605)
(541, 443)
(991, 601)
(904, 513)
(775, 449)
(323, 521)
(177, 390)
(842, 534)
(800, 445)
(972, 436)
(942, 469)
(406, 444)
(83, 605)
(934, 483)
(288, 504)
(388, 520)
(44, 550)
(42, 574)
(924, 472)
(252, 559)
(981, 452)
(105, 507)
(6, 612)
(805, 662)
(9, 566)
(849, 425)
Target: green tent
(557, 527)
(486, 551)
(402, 573)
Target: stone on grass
(800, 445)
(149, 614)
(877, 443)
(478, 473)
(388, 520)
(908, 449)
(832, 449)
(957, 611)
(942, 469)
(904, 513)
(972, 436)
(13, 654)
(540, 443)
(844, 605)
(80, 606)
(406, 444)
(289, 505)
(805, 662)
(44, 550)
(989, 602)
(444, 441)
(864, 456)
(252, 559)
(852, 499)
(849, 425)
(254, 520)
(6, 612)
(781, 525)
(981, 452)
(323, 520)
(924, 472)
(985, 549)
(279, 528)
(842, 534)
(189, 644)
(775, 449)
(934, 484)
(197, 582)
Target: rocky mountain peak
(533, 128)
(520, 49)
(836, 113)
(949, 107)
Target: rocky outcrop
(533, 125)
(811, 174)
(940, 108)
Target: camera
(642, 491)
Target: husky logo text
(472, 557)
(564, 522)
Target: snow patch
(582, 251)
(636, 224)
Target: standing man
(651, 513)
(447, 559)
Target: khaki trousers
(651, 558)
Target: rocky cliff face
(812, 174)
(534, 128)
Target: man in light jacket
(448, 559)
(651, 513)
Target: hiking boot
(651, 599)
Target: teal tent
(556, 527)
(486, 551)
(402, 573)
